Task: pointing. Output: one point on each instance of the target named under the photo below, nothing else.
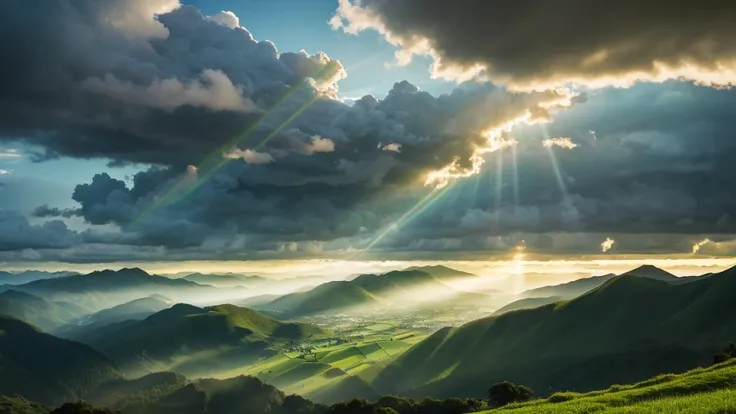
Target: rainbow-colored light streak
(183, 187)
(419, 208)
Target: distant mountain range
(631, 327)
(40, 312)
(99, 290)
(19, 278)
(226, 279)
(440, 272)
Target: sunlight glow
(562, 142)
(418, 208)
(607, 244)
(698, 245)
(497, 140)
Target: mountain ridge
(630, 315)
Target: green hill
(400, 282)
(652, 272)
(576, 288)
(100, 322)
(626, 330)
(232, 396)
(47, 369)
(330, 296)
(527, 303)
(708, 390)
(568, 290)
(196, 341)
(42, 313)
(132, 396)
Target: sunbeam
(418, 208)
(515, 176)
(499, 187)
(181, 189)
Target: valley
(416, 333)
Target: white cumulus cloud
(607, 244)
(698, 245)
(249, 156)
(561, 142)
(393, 147)
(227, 18)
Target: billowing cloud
(139, 81)
(303, 173)
(520, 44)
(215, 91)
(319, 144)
(9, 154)
(562, 142)
(698, 245)
(227, 18)
(607, 244)
(16, 233)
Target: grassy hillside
(195, 341)
(569, 290)
(701, 390)
(47, 369)
(527, 303)
(576, 288)
(134, 395)
(330, 296)
(42, 313)
(626, 330)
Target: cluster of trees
(82, 408)
(499, 394)
(728, 353)
(249, 395)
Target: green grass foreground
(702, 390)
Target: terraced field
(320, 372)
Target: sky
(221, 131)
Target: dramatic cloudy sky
(287, 129)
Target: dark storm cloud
(658, 169)
(532, 43)
(93, 79)
(45, 211)
(118, 84)
(16, 233)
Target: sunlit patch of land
(358, 351)
(700, 390)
